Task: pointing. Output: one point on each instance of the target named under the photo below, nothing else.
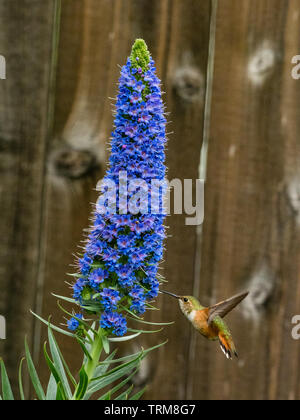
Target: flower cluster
(118, 269)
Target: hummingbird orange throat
(209, 320)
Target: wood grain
(185, 81)
(250, 238)
(26, 42)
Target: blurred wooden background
(226, 69)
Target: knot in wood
(72, 163)
(262, 287)
(261, 64)
(189, 84)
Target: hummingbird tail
(227, 345)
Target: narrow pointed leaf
(138, 395)
(60, 393)
(144, 331)
(6, 388)
(85, 350)
(151, 307)
(125, 394)
(83, 384)
(125, 338)
(66, 299)
(117, 387)
(56, 376)
(105, 343)
(75, 317)
(54, 327)
(151, 323)
(65, 364)
(130, 312)
(132, 356)
(33, 374)
(73, 275)
(104, 365)
(59, 363)
(22, 396)
(51, 389)
(112, 375)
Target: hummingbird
(208, 321)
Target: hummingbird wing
(221, 309)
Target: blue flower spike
(125, 242)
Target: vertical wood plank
(26, 42)
(185, 84)
(251, 230)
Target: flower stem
(95, 355)
(92, 363)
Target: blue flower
(110, 298)
(127, 248)
(97, 276)
(78, 288)
(138, 306)
(114, 321)
(73, 323)
(85, 264)
(137, 292)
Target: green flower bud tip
(140, 56)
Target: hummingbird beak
(171, 294)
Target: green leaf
(67, 299)
(105, 343)
(125, 338)
(54, 327)
(130, 312)
(104, 365)
(151, 307)
(6, 388)
(63, 360)
(107, 396)
(60, 393)
(108, 375)
(131, 356)
(117, 387)
(75, 317)
(73, 275)
(91, 307)
(59, 363)
(51, 389)
(22, 396)
(151, 323)
(144, 331)
(112, 376)
(125, 394)
(138, 395)
(84, 349)
(33, 374)
(83, 384)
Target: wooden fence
(234, 106)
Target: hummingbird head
(187, 303)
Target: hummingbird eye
(185, 300)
